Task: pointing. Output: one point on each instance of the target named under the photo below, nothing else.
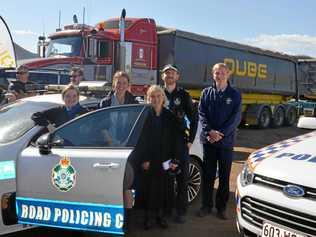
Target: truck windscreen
(66, 46)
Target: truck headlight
(246, 176)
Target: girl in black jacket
(60, 115)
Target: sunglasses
(76, 75)
(19, 73)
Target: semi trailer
(267, 80)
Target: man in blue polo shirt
(219, 115)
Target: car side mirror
(44, 144)
(46, 141)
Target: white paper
(166, 164)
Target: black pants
(214, 157)
(181, 200)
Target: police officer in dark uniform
(180, 103)
(219, 115)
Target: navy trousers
(182, 182)
(214, 157)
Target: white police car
(17, 131)
(78, 185)
(276, 190)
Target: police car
(73, 177)
(276, 190)
(17, 131)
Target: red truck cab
(100, 51)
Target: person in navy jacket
(219, 115)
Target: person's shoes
(204, 211)
(222, 215)
(148, 224)
(180, 219)
(162, 223)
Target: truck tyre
(195, 180)
(278, 116)
(265, 117)
(290, 115)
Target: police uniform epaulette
(182, 91)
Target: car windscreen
(15, 119)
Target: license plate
(271, 230)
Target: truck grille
(279, 184)
(256, 212)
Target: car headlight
(246, 176)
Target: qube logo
(247, 68)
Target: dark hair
(23, 69)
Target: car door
(79, 183)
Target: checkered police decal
(256, 157)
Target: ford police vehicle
(276, 190)
(72, 177)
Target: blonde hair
(68, 88)
(220, 65)
(156, 88)
(119, 74)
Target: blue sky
(282, 25)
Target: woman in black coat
(120, 94)
(62, 114)
(157, 154)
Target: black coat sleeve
(175, 135)
(141, 150)
(45, 117)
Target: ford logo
(293, 191)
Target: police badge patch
(64, 175)
(228, 101)
(177, 101)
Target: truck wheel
(290, 115)
(195, 180)
(265, 118)
(278, 117)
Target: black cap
(170, 66)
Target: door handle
(111, 165)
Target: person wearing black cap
(18, 89)
(180, 103)
(219, 115)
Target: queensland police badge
(64, 175)
(229, 101)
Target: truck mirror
(92, 48)
(125, 56)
